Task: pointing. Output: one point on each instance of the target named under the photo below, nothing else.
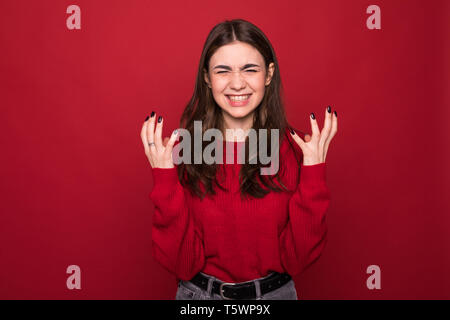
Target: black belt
(242, 290)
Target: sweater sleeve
(304, 237)
(176, 241)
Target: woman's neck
(237, 129)
(236, 135)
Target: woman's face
(237, 78)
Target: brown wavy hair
(268, 115)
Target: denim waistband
(254, 280)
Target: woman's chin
(239, 114)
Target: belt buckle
(221, 290)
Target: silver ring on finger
(151, 144)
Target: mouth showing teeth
(239, 98)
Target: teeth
(239, 98)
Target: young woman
(225, 230)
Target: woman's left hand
(315, 147)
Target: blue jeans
(189, 291)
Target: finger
(158, 134)
(334, 127)
(326, 127)
(145, 141)
(297, 139)
(314, 126)
(151, 132)
(144, 135)
(170, 144)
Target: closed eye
(245, 70)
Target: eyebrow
(248, 65)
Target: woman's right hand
(159, 154)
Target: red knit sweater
(238, 240)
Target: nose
(237, 82)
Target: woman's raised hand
(316, 146)
(159, 154)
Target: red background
(75, 179)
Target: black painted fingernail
(152, 114)
(146, 118)
(329, 109)
(335, 113)
(312, 115)
(159, 119)
(292, 131)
